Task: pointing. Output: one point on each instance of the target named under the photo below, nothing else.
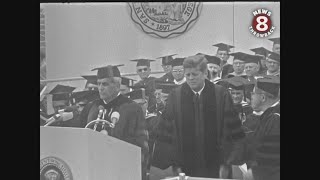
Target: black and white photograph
(160, 91)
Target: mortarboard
(177, 62)
(238, 83)
(91, 79)
(61, 92)
(274, 56)
(239, 56)
(143, 62)
(136, 94)
(127, 81)
(166, 60)
(166, 87)
(223, 47)
(85, 96)
(275, 40)
(201, 54)
(107, 71)
(270, 84)
(261, 51)
(213, 59)
(252, 59)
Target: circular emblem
(165, 19)
(261, 23)
(53, 168)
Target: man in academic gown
(167, 68)
(275, 45)
(273, 64)
(261, 51)
(263, 147)
(143, 70)
(213, 68)
(238, 65)
(131, 125)
(206, 128)
(223, 53)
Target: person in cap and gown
(206, 129)
(131, 125)
(167, 68)
(273, 64)
(143, 70)
(213, 68)
(252, 66)
(261, 51)
(178, 71)
(263, 147)
(275, 45)
(237, 87)
(223, 53)
(238, 65)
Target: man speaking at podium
(130, 126)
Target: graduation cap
(107, 71)
(177, 62)
(239, 56)
(91, 79)
(127, 81)
(239, 83)
(223, 47)
(201, 54)
(274, 56)
(61, 92)
(261, 51)
(252, 59)
(166, 87)
(136, 94)
(275, 40)
(84, 97)
(213, 59)
(166, 60)
(270, 84)
(143, 62)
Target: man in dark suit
(206, 127)
(131, 125)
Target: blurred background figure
(238, 65)
(273, 64)
(213, 68)
(147, 82)
(276, 45)
(261, 51)
(178, 71)
(223, 53)
(251, 66)
(167, 68)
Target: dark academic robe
(149, 85)
(131, 126)
(226, 69)
(206, 135)
(168, 77)
(265, 146)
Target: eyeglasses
(238, 63)
(272, 62)
(165, 66)
(143, 69)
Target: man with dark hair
(206, 127)
(131, 125)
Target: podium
(84, 154)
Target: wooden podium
(90, 155)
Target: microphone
(115, 118)
(52, 119)
(101, 109)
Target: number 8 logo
(262, 23)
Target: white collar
(276, 103)
(180, 82)
(111, 100)
(258, 113)
(199, 92)
(242, 74)
(273, 74)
